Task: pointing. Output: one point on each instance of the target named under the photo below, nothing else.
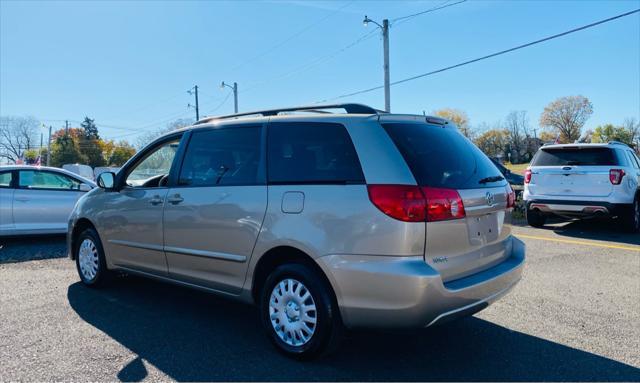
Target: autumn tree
(493, 142)
(628, 132)
(17, 135)
(567, 116)
(458, 117)
(517, 126)
(121, 153)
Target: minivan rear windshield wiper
(491, 179)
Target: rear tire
(631, 218)
(299, 313)
(90, 260)
(535, 218)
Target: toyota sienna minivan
(324, 220)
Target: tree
(90, 144)
(121, 154)
(567, 116)
(17, 135)
(65, 150)
(517, 127)
(493, 142)
(547, 137)
(458, 117)
(628, 132)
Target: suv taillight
(417, 204)
(615, 176)
(527, 176)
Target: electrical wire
(483, 57)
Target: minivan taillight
(511, 197)
(417, 204)
(443, 204)
(527, 176)
(402, 202)
(615, 176)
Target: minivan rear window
(441, 157)
(574, 156)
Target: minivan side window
(149, 171)
(311, 153)
(222, 157)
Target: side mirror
(107, 180)
(84, 188)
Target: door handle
(21, 199)
(156, 200)
(175, 199)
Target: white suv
(584, 181)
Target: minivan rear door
(578, 171)
(440, 157)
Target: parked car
(584, 181)
(515, 180)
(38, 200)
(324, 220)
(82, 170)
(101, 169)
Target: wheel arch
(81, 225)
(280, 255)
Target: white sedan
(38, 200)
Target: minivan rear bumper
(383, 291)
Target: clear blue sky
(129, 64)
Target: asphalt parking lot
(574, 316)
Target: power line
(484, 57)
(222, 103)
(441, 6)
(318, 60)
(293, 36)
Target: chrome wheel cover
(293, 313)
(88, 259)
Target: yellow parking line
(585, 243)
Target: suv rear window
(442, 157)
(312, 153)
(572, 156)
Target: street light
(235, 94)
(385, 42)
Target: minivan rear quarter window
(441, 157)
(311, 153)
(575, 156)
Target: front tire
(90, 260)
(299, 313)
(535, 218)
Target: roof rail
(617, 143)
(349, 108)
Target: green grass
(516, 168)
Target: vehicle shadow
(32, 247)
(596, 229)
(194, 336)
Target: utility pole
(66, 127)
(235, 94)
(194, 90)
(385, 45)
(49, 148)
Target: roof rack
(349, 108)
(617, 143)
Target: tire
(281, 298)
(631, 218)
(535, 218)
(90, 260)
